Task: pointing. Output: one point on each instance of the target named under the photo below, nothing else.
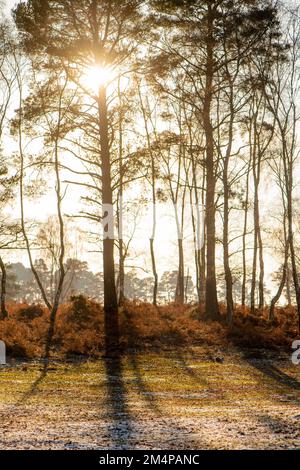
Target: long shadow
(176, 353)
(131, 334)
(267, 367)
(169, 427)
(34, 387)
(278, 424)
(120, 421)
(180, 358)
(120, 427)
(284, 430)
(121, 430)
(274, 373)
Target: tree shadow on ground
(264, 360)
(284, 429)
(155, 426)
(273, 372)
(131, 335)
(120, 427)
(178, 356)
(34, 387)
(156, 430)
(181, 359)
(281, 424)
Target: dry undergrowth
(79, 328)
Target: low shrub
(80, 328)
(30, 312)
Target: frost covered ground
(172, 400)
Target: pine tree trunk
(228, 275)
(211, 300)
(243, 300)
(256, 235)
(288, 286)
(110, 294)
(179, 294)
(121, 274)
(121, 277)
(280, 287)
(153, 188)
(261, 302)
(293, 255)
(155, 275)
(202, 255)
(152, 251)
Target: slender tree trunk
(186, 286)
(228, 274)
(153, 188)
(292, 252)
(211, 304)
(154, 271)
(197, 252)
(152, 252)
(283, 104)
(281, 285)
(179, 294)
(121, 277)
(288, 286)
(211, 299)
(202, 274)
(21, 193)
(62, 273)
(256, 178)
(4, 312)
(261, 301)
(244, 281)
(110, 294)
(288, 162)
(198, 281)
(179, 291)
(286, 257)
(199, 233)
(259, 149)
(253, 280)
(258, 152)
(202, 254)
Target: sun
(97, 76)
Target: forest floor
(174, 399)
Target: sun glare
(97, 76)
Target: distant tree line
(20, 285)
